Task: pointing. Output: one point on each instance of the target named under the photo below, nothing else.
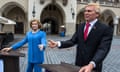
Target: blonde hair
(96, 5)
(35, 20)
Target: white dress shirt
(91, 25)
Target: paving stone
(55, 56)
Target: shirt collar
(35, 31)
(93, 22)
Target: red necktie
(86, 30)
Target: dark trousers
(47, 71)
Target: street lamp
(33, 12)
(72, 11)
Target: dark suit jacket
(95, 48)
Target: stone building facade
(55, 13)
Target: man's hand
(52, 43)
(6, 49)
(87, 68)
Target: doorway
(52, 17)
(50, 26)
(19, 28)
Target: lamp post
(33, 12)
(72, 11)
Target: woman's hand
(41, 47)
(6, 49)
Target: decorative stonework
(53, 1)
(42, 1)
(65, 2)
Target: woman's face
(34, 25)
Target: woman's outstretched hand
(6, 49)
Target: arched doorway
(80, 17)
(52, 18)
(107, 17)
(50, 25)
(16, 13)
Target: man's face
(90, 13)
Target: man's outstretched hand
(52, 43)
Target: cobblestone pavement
(55, 56)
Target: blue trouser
(34, 66)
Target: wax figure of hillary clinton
(36, 40)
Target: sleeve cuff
(59, 43)
(11, 47)
(92, 62)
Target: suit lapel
(81, 31)
(93, 30)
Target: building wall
(22, 3)
(66, 10)
(108, 14)
(69, 22)
(114, 9)
(7, 5)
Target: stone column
(70, 28)
(116, 22)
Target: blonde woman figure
(36, 40)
